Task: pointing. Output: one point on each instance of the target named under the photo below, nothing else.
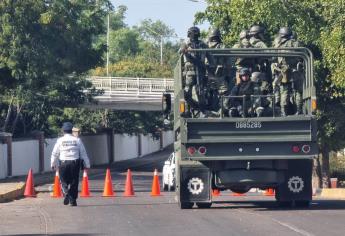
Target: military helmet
(243, 34)
(193, 31)
(244, 71)
(285, 32)
(255, 30)
(214, 33)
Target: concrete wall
(24, 156)
(168, 138)
(125, 147)
(48, 148)
(149, 145)
(97, 148)
(3, 161)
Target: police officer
(67, 155)
(290, 73)
(243, 62)
(194, 70)
(243, 42)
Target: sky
(177, 14)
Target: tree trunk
(316, 177)
(8, 116)
(15, 122)
(325, 167)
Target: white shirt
(69, 147)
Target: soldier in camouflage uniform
(243, 62)
(194, 71)
(289, 73)
(218, 74)
(260, 65)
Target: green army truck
(240, 153)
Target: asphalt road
(252, 214)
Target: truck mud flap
(195, 185)
(297, 184)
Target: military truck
(240, 153)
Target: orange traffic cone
(269, 192)
(156, 191)
(57, 187)
(85, 192)
(215, 192)
(29, 186)
(129, 191)
(108, 186)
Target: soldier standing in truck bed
(194, 72)
(290, 74)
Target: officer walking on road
(67, 155)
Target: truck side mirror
(166, 104)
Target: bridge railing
(139, 86)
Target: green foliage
(136, 67)
(45, 47)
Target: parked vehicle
(168, 173)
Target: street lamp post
(108, 29)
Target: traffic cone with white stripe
(85, 192)
(57, 193)
(155, 191)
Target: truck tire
(204, 204)
(186, 205)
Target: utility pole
(108, 29)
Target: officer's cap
(66, 126)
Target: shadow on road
(272, 205)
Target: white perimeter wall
(3, 161)
(48, 148)
(125, 147)
(149, 145)
(24, 156)
(168, 138)
(97, 148)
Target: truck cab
(239, 153)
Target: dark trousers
(69, 178)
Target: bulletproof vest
(245, 88)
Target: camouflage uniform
(290, 74)
(260, 65)
(194, 70)
(242, 62)
(219, 73)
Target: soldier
(243, 42)
(194, 70)
(290, 74)
(243, 107)
(218, 74)
(256, 37)
(260, 65)
(243, 62)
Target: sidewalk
(13, 188)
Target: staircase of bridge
(126, 93)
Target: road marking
(300, 231)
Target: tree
(44, 48)
(319, 25)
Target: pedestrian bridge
(125, 93)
